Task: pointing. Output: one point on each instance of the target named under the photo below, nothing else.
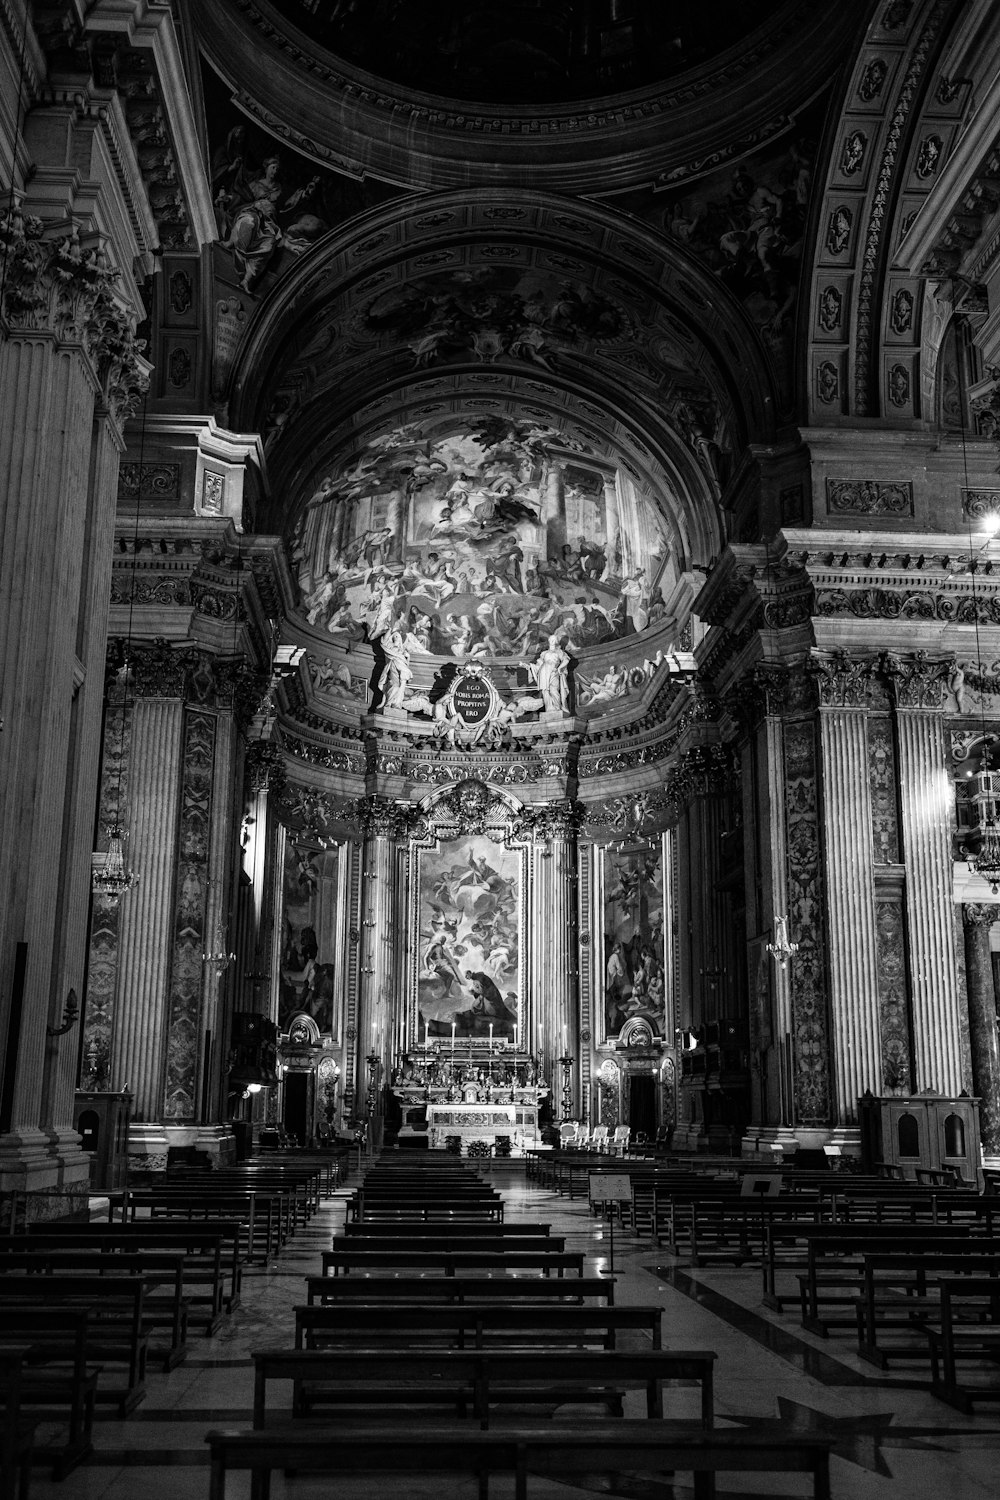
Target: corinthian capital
(843, 681)
(919, 681)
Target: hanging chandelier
(985, 860)
(112, 879)
(219, 959)
(781, 949)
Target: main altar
(478, 1095)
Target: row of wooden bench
(83, 1306)
(470, 1342)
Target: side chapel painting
(307, 977)
(634, 982)
(469, 943)
(483, 540)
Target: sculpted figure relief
(551, 673)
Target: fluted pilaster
(850, 909)
(983, 1033)
(937, 1036)
(85, 751)
(147, 911)
(44, 473)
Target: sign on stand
(610, 1187)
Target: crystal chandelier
(219, 960)
(985, 861)
(112, 879)
(781, 949)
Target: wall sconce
(70, 1012)
(781, 949)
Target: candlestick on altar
(452, 1036)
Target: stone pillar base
(777, 1142)
(147, 1147)
(149, 1143)
(43, 1175)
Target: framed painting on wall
(310, 916)
(467, 949)
(633, 972)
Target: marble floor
(894, 1441)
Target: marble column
(555, 512)
(611, 527)
(557, 972)
(983, 1030)
(925, 793)
(382, 823)
(850, 885)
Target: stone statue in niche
(550, 671)
(396, 672)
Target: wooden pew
(834, 1275)
(477, 1378)
(211, 1251)
(58, 1381)
(787, 1243)
(537, 1289)
(450, 1262)
(259, 1214)
(561, 1451)
(443, 1239)
(473, 1324)
(466, 1230)
(115, 1332)
(17, 1434)
(900, 1291)
(367, 1205)
(968, 1328)
(162, 1273)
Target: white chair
(568, 1133)
(598, 1138)
(620, 1139)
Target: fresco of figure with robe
(306, 984)
(468, 957)
(633, 939)
(481, 542)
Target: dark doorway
(642, 1105)
(296, 1107)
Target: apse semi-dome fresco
(482, 541)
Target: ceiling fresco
(511, 51)
(746, 223)
(481, 539)
(271, 203)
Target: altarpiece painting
(634, 952)
(467, 951)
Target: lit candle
(517, 1036)
(452, 1036)
(491, 1036)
